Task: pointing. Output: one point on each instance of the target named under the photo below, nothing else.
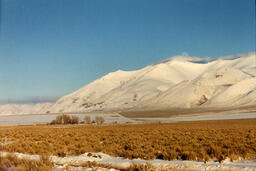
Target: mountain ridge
(139, 89)
(176, 82)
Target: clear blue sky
(50, 48)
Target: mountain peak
(165, 84)
(191, 59)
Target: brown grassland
(11, 162)
(198, 140)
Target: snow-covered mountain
(177, 82)
(10, 109)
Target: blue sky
(49, 48)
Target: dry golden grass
(200, 140)
(141, 167)
(11, 162)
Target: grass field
(11, 162)
(198, 140)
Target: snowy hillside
(177, 82)
(10, 109)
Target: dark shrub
(87, 119)
(74, 120)
(99, 120)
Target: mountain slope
(179, 81)
(198, 92)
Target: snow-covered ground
(117, 118)
(121, 163)
(200, 117)
(47, 118)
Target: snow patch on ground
(122, 163)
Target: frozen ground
(117, 118)
(200, 117)
(46, 118)
(121, 163)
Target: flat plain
(194, 140)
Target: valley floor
(180, 112)
(192, 145)
(120, 117)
